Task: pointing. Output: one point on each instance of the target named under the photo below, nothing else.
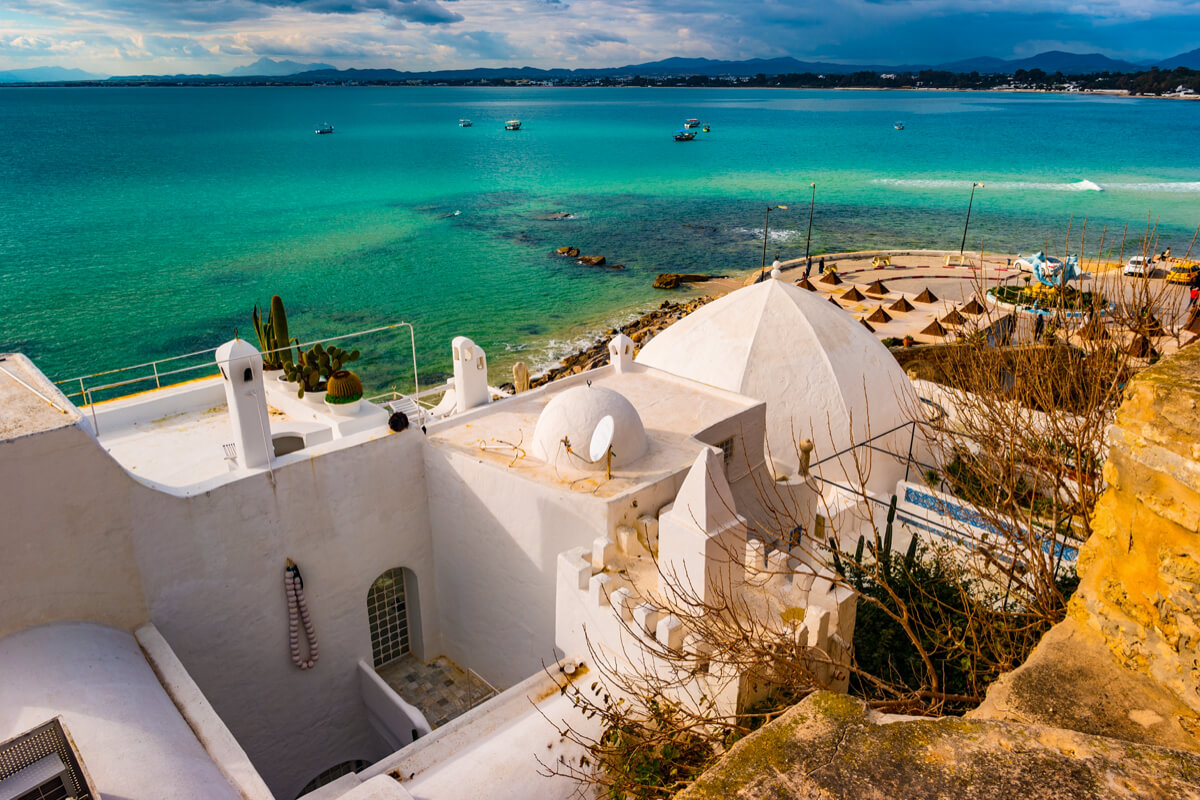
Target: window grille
(387, 612)
(726, 449)
(42, 764)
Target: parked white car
(1139, 267)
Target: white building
(145, 542)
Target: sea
(142, 223)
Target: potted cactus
(273, 335)
(315, 368)
(344, 392)
(908, 340)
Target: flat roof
(128, 733)
(174, 438)
(672, 410)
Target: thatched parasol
(926, 296)
(954, 318)
(879, 315)
(934, 329)
(805, 283)
(901, 305)
(878, 287)
(867, 325)
(831, 278)
(853, 294)
(973, 307)
(834, 301)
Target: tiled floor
(440, 688)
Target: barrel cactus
(343, 387)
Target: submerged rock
(593, 261)
(570, 252)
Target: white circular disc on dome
(602, 438)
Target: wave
(922, 183)
(1164, 187)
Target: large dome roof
(574, 415)
(822, 375)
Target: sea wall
(1140, 570)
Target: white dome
(819, 371)
(575, 413)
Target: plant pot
(316, 399)
(342, 409)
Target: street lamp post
(808, 240)
(963, 246)
(766, 227)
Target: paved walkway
(440, 688)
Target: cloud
(484, 45)
(214, 35)
(591, 38)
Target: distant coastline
(1192, 94)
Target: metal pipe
(812, 202)
(41, 396)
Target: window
(42, 765)
(726, 449)
(387, 612)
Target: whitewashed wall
(496, 537)
(67, 542)
(212, 567)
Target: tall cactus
(277, 323)
(272, 335)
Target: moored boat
(898, 126)
(691, 123)
(464, 123)
(684, 136)
(326, 128)
(512, 125)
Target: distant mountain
(271, 67)
(1050, 62)
(47, 74)
(1190, 59)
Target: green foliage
(969, 632)
(651, 754)
(1067, 297)
(892, 341)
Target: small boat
(707, 128)
(899, 126)
(326, 128)
(684, 136)
(464, 123)
(512, 125)
(691, 123)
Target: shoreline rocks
(673, 280)
(640, 330)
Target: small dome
(575, 413)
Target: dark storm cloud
(424, 12)
(591, 38)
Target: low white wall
(224, 750)
(397, 722)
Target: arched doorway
(387, 612)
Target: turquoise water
(141, 223)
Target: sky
(129, 37)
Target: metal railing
(158, 374)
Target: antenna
(601, 446)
